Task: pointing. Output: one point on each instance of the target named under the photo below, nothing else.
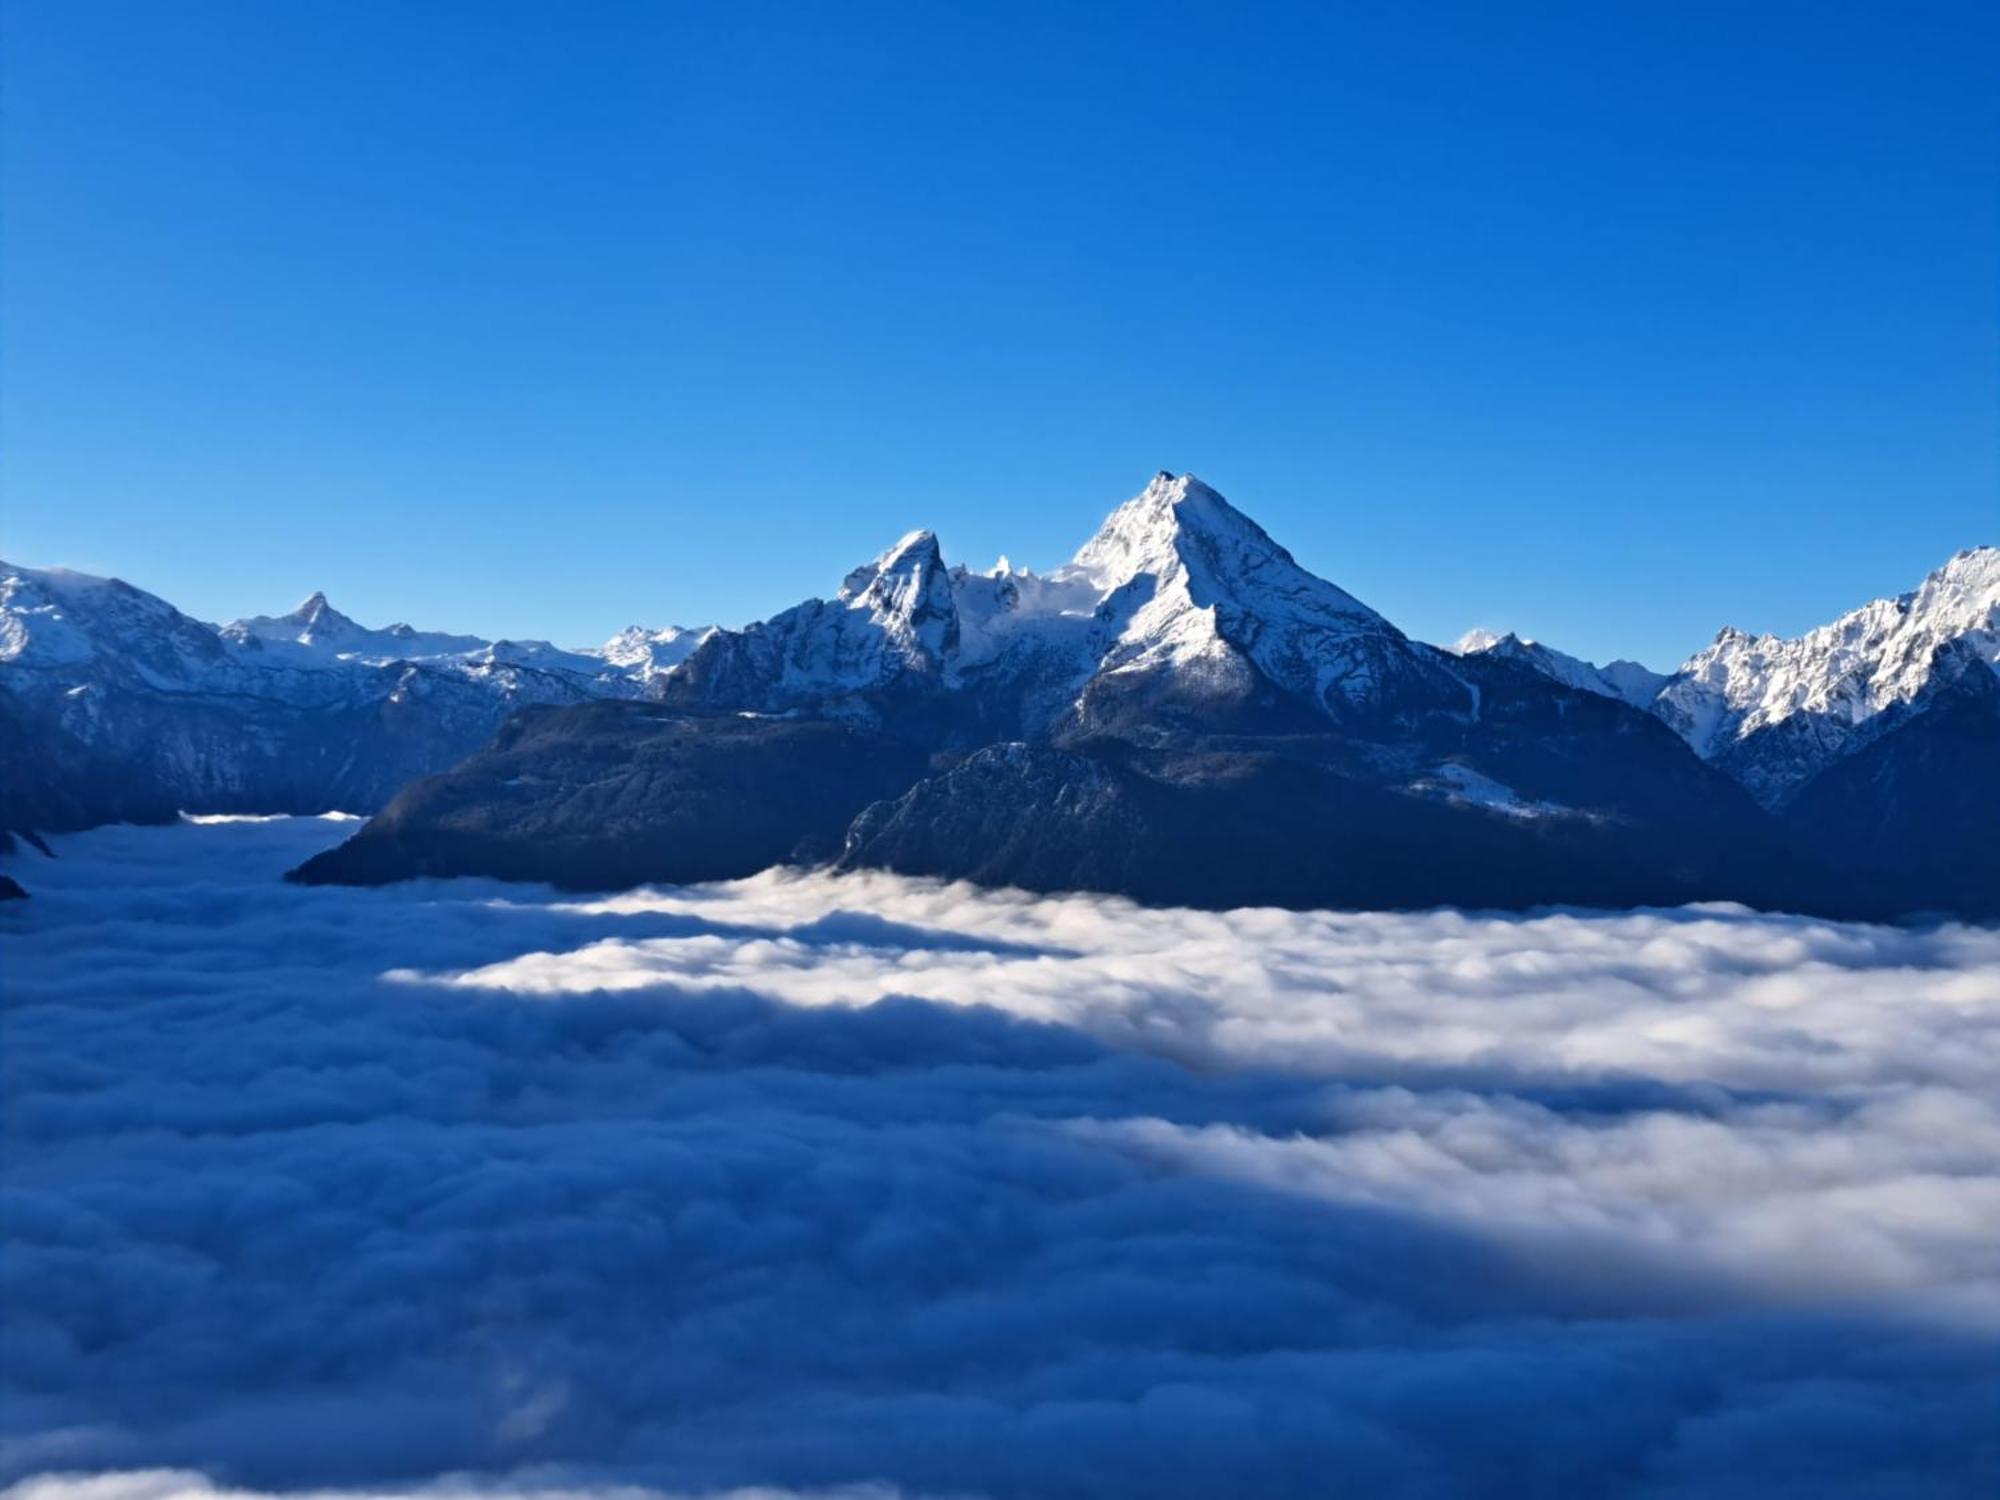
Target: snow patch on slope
(1460, 784)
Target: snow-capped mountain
(317, 634)
(1193, 593)
(296, 712)
(317, 629)
(649, 654)
(1774, 712)
(1178, 598)
(1180, 712)
(1627, 681)
(893, 617)
(55, 620)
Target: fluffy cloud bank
(809, 1182)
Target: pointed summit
(1178, 530)
(916, 552)
(1479, 639)
(893, 618)
(1194, 590)
(317, 620)
(318, 629)
(1142, 535)
(1178, 588)
(907, 593)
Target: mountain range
(1181, 713)
(116, 706)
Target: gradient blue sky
(1606, 323)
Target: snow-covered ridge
(316, 630)
(1176, 582)
(56, 619)
(1627, 681)
(1774, 712)
(1865, 662)
(55, 622)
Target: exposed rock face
(614, 794)
(1279, 825)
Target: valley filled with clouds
(808, 1182)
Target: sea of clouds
(870, 1187)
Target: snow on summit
(1189, 581)
(1184, 534)
(1846, 672)
(1176, 581)
(907, 594)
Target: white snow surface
(653, 653)
(1868, 660)
(893, 615)
(1185, 578)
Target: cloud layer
(808, 1182)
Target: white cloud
(1896, 1199)
(180, 1484)
(1715, 994)
(807, 1181)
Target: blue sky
(1609, 324)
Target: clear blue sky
(1609, 323)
